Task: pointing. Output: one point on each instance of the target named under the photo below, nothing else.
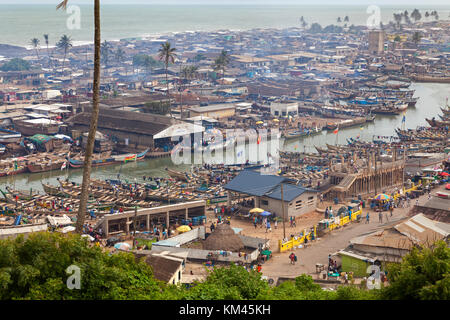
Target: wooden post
(167, 220)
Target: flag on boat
(64, 165)
(259, 140)
(336, 130)
(130, 158)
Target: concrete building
(284, 109)
(165, 267)
(390, 244)
(376, 41)
(266, 190)
(216, 111)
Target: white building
(284, 109)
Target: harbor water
(432, 97)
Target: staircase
(346, 183)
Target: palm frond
(62, 5)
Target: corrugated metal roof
(254, 183)
(290, 192)
(422, 230)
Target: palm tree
(416, 37)
(48, 52)
(65, 43)
(35, 43)
(94, 118)
(221, 62)
(167, 55)
(105, 50)
(119, 55)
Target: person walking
(391, 209)
(268, 227)
(380, 217)
(275, 224)
(367, 218)
(292, 257)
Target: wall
(199, 254)
(185, 237)
(357, 266)
(275, 206)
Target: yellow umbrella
(259, 122)
(256, 210)
(184, 228)
(276, 120)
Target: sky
(256, 2)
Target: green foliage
(157, 107)
(231, 283)
(146, 61)
(16, 64)
(35, 268)
(315, 28)
(423, 274)
(333, 29)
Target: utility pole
(282, 208)
(376, 177)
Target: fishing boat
(9, 136)
(23, 195)
(54, 191)
(321, 150)
(436, 123)
(370, 117)
(44, 165)
(386, 111)
(446, 111)
(177, 175)
(124, 158)
(2, 148)
(12, 166)
(302, 133)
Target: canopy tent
(177, 130)
(184, 228)
(40, 138)
(382, 197)
(63, 137)
(265, 214)
(122, 246)
(256, 210)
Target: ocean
(20, 23)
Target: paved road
(334, 241)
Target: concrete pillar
(186, 214)
(106, 228)
(148, 222)
(228, 198)
(127, 226)
(167, 220)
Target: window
(265, 202)
(311, 198)
(276, 112)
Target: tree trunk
(64, 60)
(94, 121)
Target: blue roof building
(266, 190)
